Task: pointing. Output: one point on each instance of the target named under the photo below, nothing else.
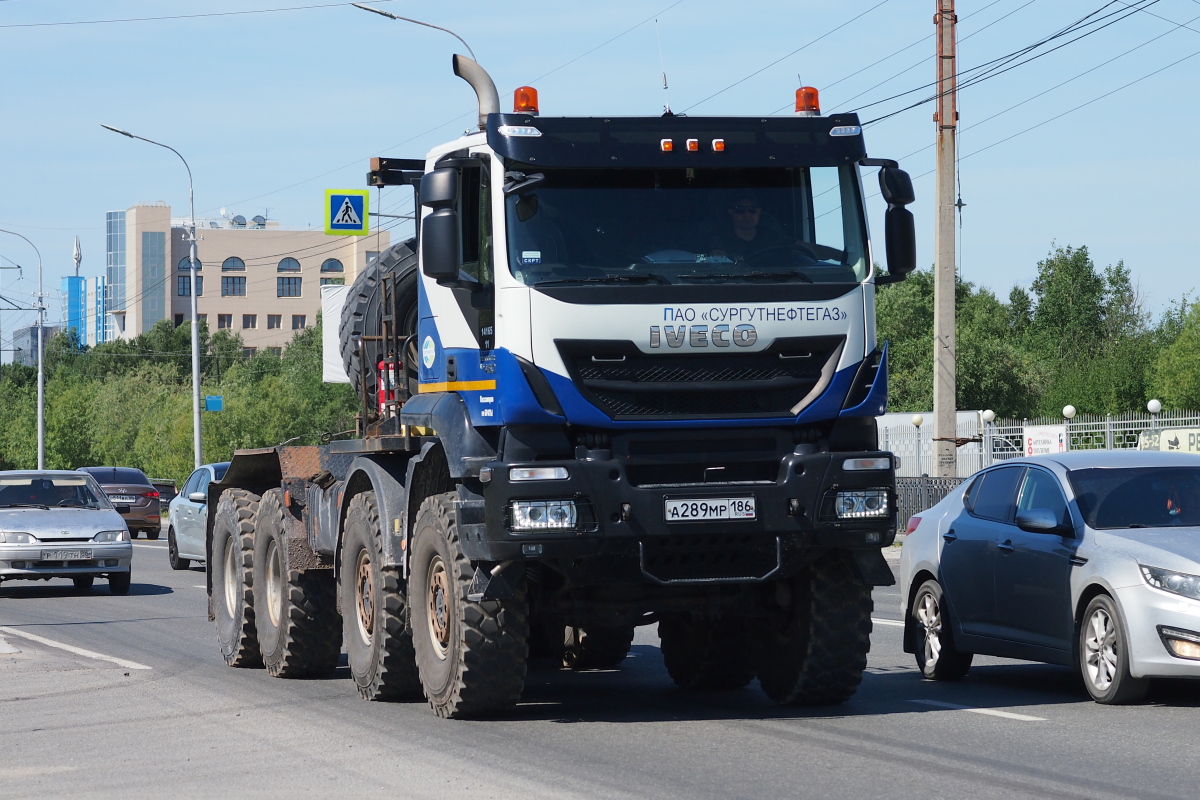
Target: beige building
(256, 279)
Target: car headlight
(861, 504)
(543, 515)
(1174, 582)
(111, 536)
(16, 537)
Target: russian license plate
(122, 498)
(707, 508)
(66, 555)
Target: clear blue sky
(272, 108)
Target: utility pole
(945, 409)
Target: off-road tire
(707, 655)
(595, 647)
(379, 645)
(83, 582)
(472, 655)
(814, 649)
(232, 569)
(362, 316)
(295, 613)
(119, 583)
(176, 562)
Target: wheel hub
(438, 596)
(231, 581)
(364, 596)
(1100, 650)
(930, 617)
(274, 584)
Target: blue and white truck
(627, 374)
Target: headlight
(861, 504)
(15, 537)
(111, 536)
(544, 515)
(1174, 582)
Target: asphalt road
(173, 720)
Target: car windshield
(1143, 497)
(51, 491)
(686, 226)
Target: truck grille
(626, 383)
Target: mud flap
(872, 568)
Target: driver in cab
(747, 232)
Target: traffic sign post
(347, 212)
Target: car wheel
(1104, 655)
(133, 533)
(152, 533)
(937, 657)
(118, 582)
(177, 563)
(83, 582)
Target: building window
(202, 318)
(276, 351)
(297, 322)
(274, 321)
(233, 286)
(224, 320)
(178, 320)
(333, 281)
(332, 265)
(249, 352)
(289, 264)
(288, 287)
(183, 286)
(183, 265)
(250, 321)
(233, 264)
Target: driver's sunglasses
(746, 209)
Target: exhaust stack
(481, 82)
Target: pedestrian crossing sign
(346, 212)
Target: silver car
(187, 516)
(1089, 559)
(60, 524)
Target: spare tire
(362, 315)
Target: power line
(177, 16)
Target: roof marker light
(525, 100)
(808, 103)
(718, 145)
(846, 130)
(518, 130)
(667, 145)
(693, 145)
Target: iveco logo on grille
(703, 335)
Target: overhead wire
(180, 16)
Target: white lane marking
(991, 712)
(5, 647)
(150, 546)
(13, 773)
(199, 586)
(895, 623)
(79, 651)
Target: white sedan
(1088, 559)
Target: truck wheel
(379, 645)
(233, 577)
(176, 562)
(707, 655)
(295, 613)
(813, 652)
(362, 315)
(471, 656)
(595, 647)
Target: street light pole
(196, 450)
(41, 400)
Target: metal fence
(914, 495)
(984, 444)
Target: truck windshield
(685, 226)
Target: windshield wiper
(25, 505)
(642, 277)
(753, 275)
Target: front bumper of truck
(621, 529)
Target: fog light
(860, 504)
(1184, 649)
(531, 549)
(18, 565)
(520, 474)
(1184, 644)
(110, 562)
(543, 515)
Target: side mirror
(440, 253)
(1042, 520)
(900, 230)
(198, 497)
